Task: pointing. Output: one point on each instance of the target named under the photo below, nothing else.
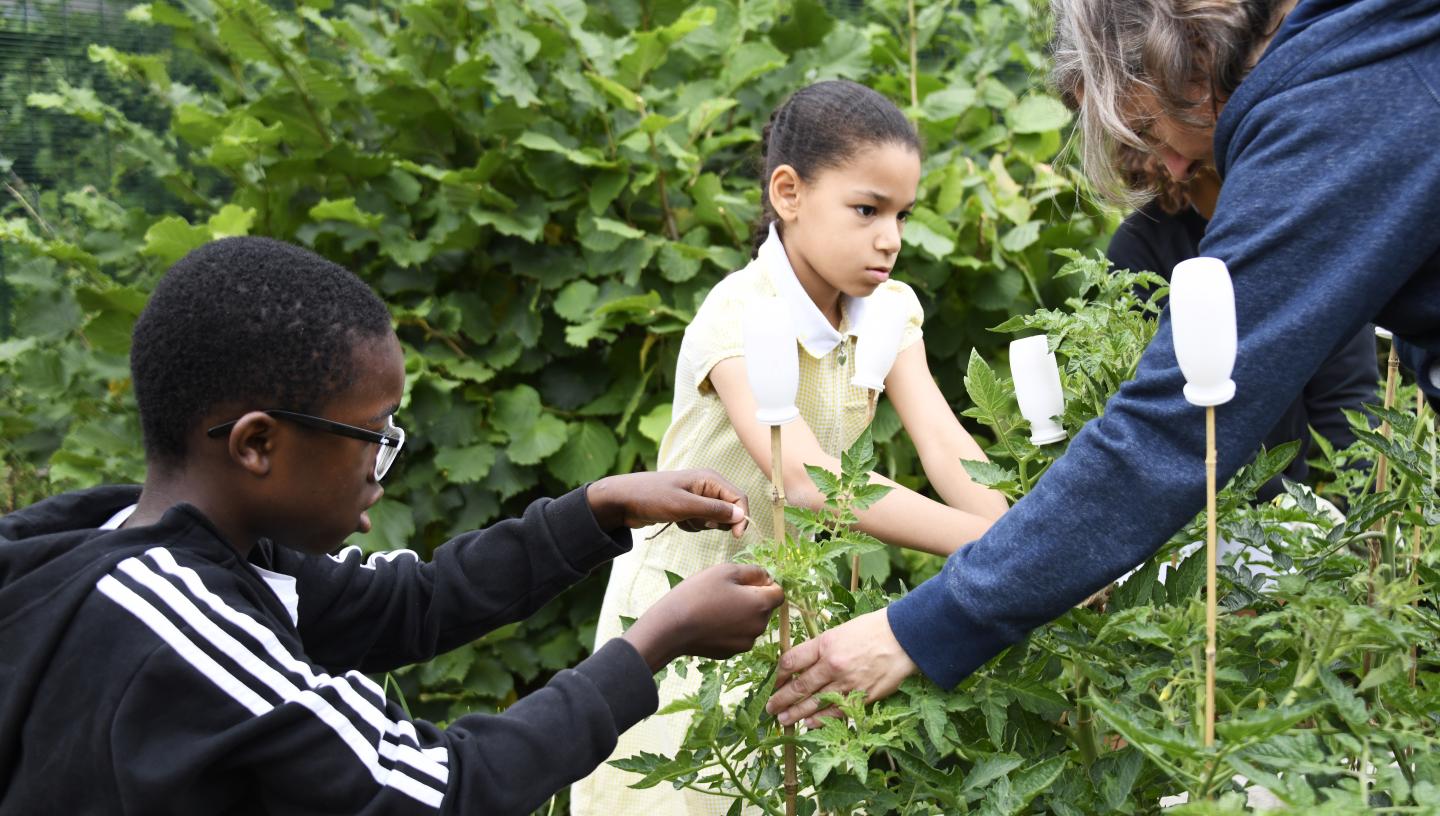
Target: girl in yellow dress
(842, 165)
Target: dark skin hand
(694, 499)
(717, 613)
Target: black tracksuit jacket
(150, 670)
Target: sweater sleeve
(1308, 271)
(392, 609)
(219, 721)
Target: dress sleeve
(717, 333)
(914, 315)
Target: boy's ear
(252, 442)
(785, 188)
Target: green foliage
(1101, 711)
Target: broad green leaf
(749, 61)
(516, 410)
(1036, 114)
(930, 232)
(1018, 238)
(344, 209)
(546, 436)
(576, 300)
(948, 102)
(588, 454)
(171, 237)
(654, 424)
(468, 464)
(231, 221)
(990, 768)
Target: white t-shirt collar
(813, 331)
(282, 585)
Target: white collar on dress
(813, 331)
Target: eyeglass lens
(385, 456)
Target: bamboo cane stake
(1415, 541)
(1382, 478)
(1210, 581)
(1382, 466)
(777, 501)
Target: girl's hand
(717, 613)
(694, 499)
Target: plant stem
(1085, 737)
(740, 786)
(671, 231)
(914, 59)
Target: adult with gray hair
(1321, 117)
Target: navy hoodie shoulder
(151, 670)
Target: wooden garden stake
(1202, 313)
(1382, 463)
(1415, 537)
(1210, 580)
(768, 334)
(1382, 473)
(777, 502)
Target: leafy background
(542, 193)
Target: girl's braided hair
(823, 126)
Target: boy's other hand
(717, 612)
(694, 499)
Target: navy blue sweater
(1329, 218)
(1155, 241)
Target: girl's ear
(252, 442)
(785, 189)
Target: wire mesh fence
(44, 43)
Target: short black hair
(253, 322)
(822, 126)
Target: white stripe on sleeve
(218, 639)
(373, 715)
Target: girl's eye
(865, 210)
(903, 216)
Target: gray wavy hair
(1107, 51)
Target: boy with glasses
(191, 646)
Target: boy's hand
(717, 612)
(694, 499)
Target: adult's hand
(858, 655)
(693, 499)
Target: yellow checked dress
(700, 435)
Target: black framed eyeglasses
(390, 440)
